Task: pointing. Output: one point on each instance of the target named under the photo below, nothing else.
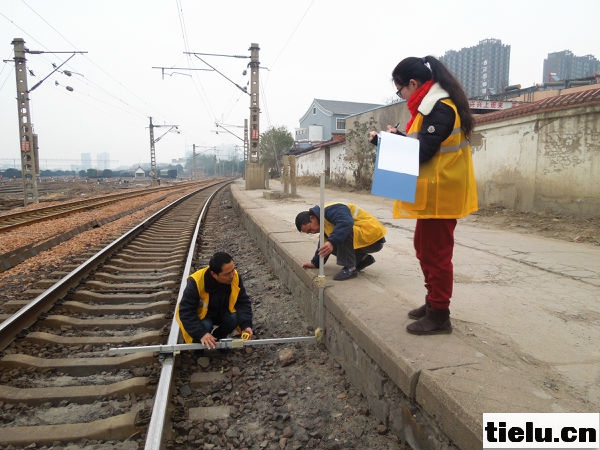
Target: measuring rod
(221, 344)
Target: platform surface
(525, 312)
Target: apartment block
(483, 69)
(566, 66)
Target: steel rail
(65, 209)
(28, 314)
(155, 432)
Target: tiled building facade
(566, 66)
(482, 69)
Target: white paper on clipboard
(396, 167)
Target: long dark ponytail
(424, 69)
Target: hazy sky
(308, 49)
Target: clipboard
(396, 167)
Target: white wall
(311, 163)
(505, 164)
(545, 162)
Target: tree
(274, 143)
(360, 153)
(12, 173)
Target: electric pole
(194, 162)
(254, 171)
(153, 168)
(27, 138)
(255, 176)
(245, 144)
(30, 167)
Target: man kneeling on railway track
(214, 303)
(351, 233)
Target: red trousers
(434, 244)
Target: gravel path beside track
(291, 396)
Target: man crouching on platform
(351, 233)
(214, 303)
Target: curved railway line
(123, 295)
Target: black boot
(419, 312)
(436, 321)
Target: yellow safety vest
(367, 229)
(198, 277)
(446, 187)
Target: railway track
(62, 388)
(14, 220)
(25, 234)
(55, 361)
(61, 189)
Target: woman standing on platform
(442, 122)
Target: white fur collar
(431, 98)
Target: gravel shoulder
(288, 396)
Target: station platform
(525, 314)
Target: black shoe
(436, 321)
(345, 274)
(417, 313)
(365, 262)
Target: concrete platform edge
(389, 388)
(430, 391)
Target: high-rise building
(103, 160)
(86, 161)
(566, 66)
(482, 69)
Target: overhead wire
(9, 72)
(29, 35)
(234, 103)
(86, 89)
(102, 102)
(96, 85)
(264, 98)
(236, 96)
(198, 85)
(289, 39)
(265, 104)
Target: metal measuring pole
(321, 277)
(227, 343)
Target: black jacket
(437, 126)
(218, 305)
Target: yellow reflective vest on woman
(446, 187)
